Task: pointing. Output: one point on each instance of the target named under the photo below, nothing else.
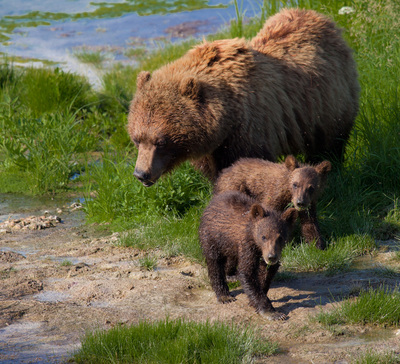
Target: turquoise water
(49, 30)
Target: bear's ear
(257, 211)
(290, 216)
(142, 78)
(323, 168)
(191, 87)
(291, 163)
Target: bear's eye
(295, 185)
(311, 189)
(263, 237)
(135, 141)
(161, 143)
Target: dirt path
(58, 282)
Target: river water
(48, 30)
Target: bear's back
(226, 218)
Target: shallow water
(13, 206)
(53, 31)
(29, 338)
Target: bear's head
(271, 231)
(166, 123)
(305, 181)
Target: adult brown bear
(292, 89)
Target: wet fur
(279, 185)
(238, 235)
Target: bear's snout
(143, 177)
(301, 203)
(271, 258)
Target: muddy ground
(58, 282)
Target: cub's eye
(161, 143)
(311, 189)
(295, 185)
(135, 141)
(263, 237)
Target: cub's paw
(226, 299)
(273, 315)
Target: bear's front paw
(226, 299)
(273, 315)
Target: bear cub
(279, 185)
(238, 235)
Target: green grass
(175, 341)
(94, 58)
(66, 263)
(164, 216)
(337, 257)
(174, 235)
(374, 357)
(42, 150)
(148, 262)
(43, 90)
(373, 306)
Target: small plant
(174, 342)
(374, 357)
(138, 52)
(148, 262)
(373, 306)
(237, 24)
(94, 58)
(66, 263)
(337, 257)
(386, 272)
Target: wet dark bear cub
(238, 235)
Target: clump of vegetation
(372, 306)
(174, 342)
(66, 263)
(337, 257)
(94, 58)
(374, 357)
(148, 262)
(42, 150)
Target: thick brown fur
(238, 235)
(279, 185)
(292, 89)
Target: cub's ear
(290, 216)
(257, 211)
(142, 78)
(291, 163)
(191, 87)
(323, 168)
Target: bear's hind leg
(216, 273)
